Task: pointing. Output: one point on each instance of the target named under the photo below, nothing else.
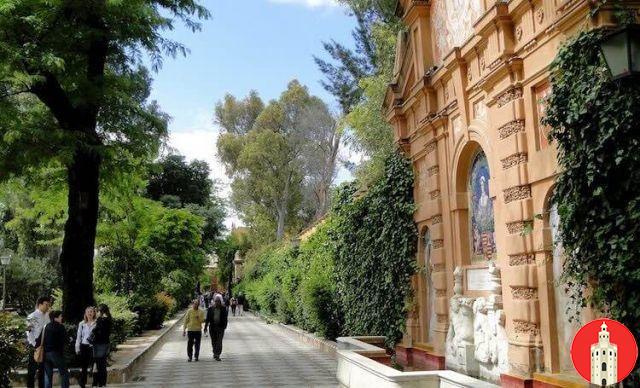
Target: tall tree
(289, 150)
(72, 69)
(188, 182)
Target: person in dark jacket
(100, 341)
(54, 336)
(216, 321)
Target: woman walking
(100, 342)
(53, 338)
(83, 347)
(193, 328)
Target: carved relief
(540, 15)
(518, 32)
(436, 219)
(433, 170)
(437, 244)
(510, 128)
(509, 96)
(435, 194)
(519, 226)
(431, 147)
(514, 160)
(522, 259)
(525, 327)
(526, 293)
(452, 23)
(517, 193)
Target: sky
(247, 44)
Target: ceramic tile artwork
(452, 23)
(481, 211)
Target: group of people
(211, 310)
(47, 337)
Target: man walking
(35, 323)
(193, 329)
(217, 317)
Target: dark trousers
(34, 369)
(216, 340)
(55, 360)
(86, 363)
(100, 377)
(194, 338)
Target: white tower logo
(604, 359)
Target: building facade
(465, 103)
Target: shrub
(180, 285)
(12, 345)
(168, 301)
(28, 279)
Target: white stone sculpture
(460, 337)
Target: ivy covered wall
(596, 125)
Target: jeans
(194, 339)
(217, 333)
(55, 360)
(86, 363)
(34, 368)
(240, 309)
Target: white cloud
(310, 3)
(201, 144)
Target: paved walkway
(254, 354)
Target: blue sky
(247, 44)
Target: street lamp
(5, 259)
(621, 51)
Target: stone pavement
(254, 354)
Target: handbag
(100, 350)
(38, 354)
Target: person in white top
(35, 323)
(83, 347)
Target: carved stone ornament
(469, 75)
(540, 15)
(477, 342)
(518, 33)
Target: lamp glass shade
(621, 51)
(5, 258)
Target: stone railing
(358, 368)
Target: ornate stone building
(465, 104)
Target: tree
(238, 116)
(290, 150)
(72, 69)
(173, 176)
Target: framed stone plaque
(478, 279)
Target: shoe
(217, 358)
(189, 360)
(196, 360)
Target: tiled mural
(452, 23)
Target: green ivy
(375, 252)
(595, 124)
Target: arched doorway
(481, 220)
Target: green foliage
(595, 125)
(281, 162)
(173, 176)
(12, 345)
(353, 274)
(29, 278)
(375, 252)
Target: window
(604, 366)
(481, 211)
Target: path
(254, 354)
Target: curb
(121, 371)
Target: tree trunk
(282, 209)
(76, 259)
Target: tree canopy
(73, 89)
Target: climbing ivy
(375, 239)
(595, 124)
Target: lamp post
(5, 259)
(621, 51)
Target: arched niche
(474, 201)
